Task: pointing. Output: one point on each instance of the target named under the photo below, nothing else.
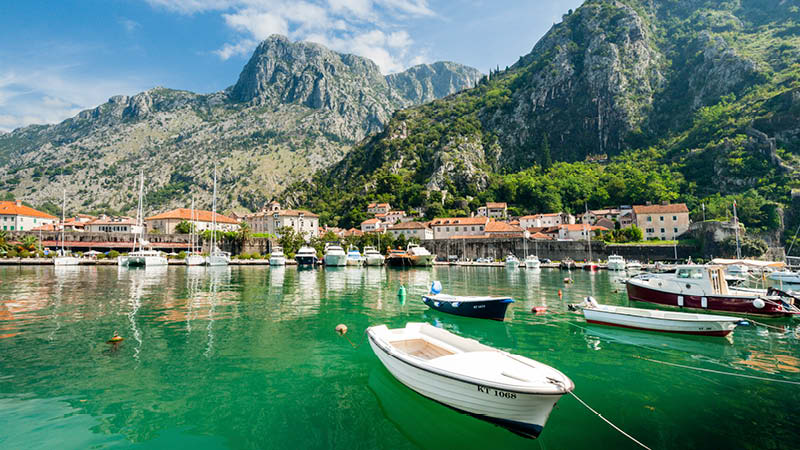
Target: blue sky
(60, 57)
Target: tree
(547, 160)
(290, 240)
(184, 227)
(28, 243)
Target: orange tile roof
(502, 227)
(14, 208)
(186, 214)
(370, 221)
(537, 216)
(478, 220)
(540, 236)
(581, 227)
(409, 226)
(496, 205)
(656, 209)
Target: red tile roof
(657, 209)
(496, 205)
(14, 208)
(409, 226)
(370, 221)
(186, 214)
(502, 227)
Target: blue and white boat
(354, 257)
(469, 306)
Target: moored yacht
(63, 258)
(419, 256)
(616, 262)
(512, 262)
(306, 256)
(216, 257)
(334, 255)
(705, 288)
(277, 258)
(532, 262)
(372, 257)
(141, 257)
(354, 257)
(194, 258)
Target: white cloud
(130, 25)
(367, 28)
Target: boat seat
(421, 348)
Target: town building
(546, 220)
(417, 230)
(665, 221)
(593, 215)
(497, 229)
(577, 231)
(272, 218)
(113, 224)
(371, 226)
(392, 217)
(626, 217)
(14, 216)
(444, 228)
(378, 208)
(494, 210)
(166, 222)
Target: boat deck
(421, 348)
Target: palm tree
(4, 245)
(29, 243)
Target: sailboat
(589, 265)
(141, 257)
(194, 258)
(216, 257)
(531, 261)
(63, 259)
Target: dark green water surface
(248, 358)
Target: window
(34, 220)
(473, 228)
(456, 228)
(5, 228)
(649, 219)
(446, 228)
(661, 219)
(674, 230)
(674, 217)
(662, 230)
(650, 230)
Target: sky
(60, 57)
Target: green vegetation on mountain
(623, 102)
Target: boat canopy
(747, 262)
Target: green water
(248, 358)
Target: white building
(14, 216)
(272, 218)
(378, 208)
(417, 230)
(577, 232)
(546, 220)
(444, 228)
(392, 217)
(371, 225)
(167, 221)
(665, 222)
(494, 210)
(117, 224)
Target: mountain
(622, 102)
(296, 107)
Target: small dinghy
(469, 306)
(512, 391)
(656, 320)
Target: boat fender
(743, 323)
(341, 329)
(560, 294)
(436, 287)
(758, 303)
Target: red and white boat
(663, 321)
(705, 288)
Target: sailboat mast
(63, 220)
(588, 237)
(214, 215)
(736, 224)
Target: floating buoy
(539, 310)
(402, 291)
(560, 294)
(116, 339)
(567, 280)
(341, 329)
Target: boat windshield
(695, 273)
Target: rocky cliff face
(296, 108)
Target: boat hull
(353, 262)
(522, 413)
(306, 260)
(740, 305)
(512, 264)
(335, 260)
(616, 265)
(141, 261)
(195, 260)
(494, 309)
(277, 261)
(398, 261)
(66, 261)
(702, 328)
(217, 261)
(421, 260)
(533, 264)
(375, 260)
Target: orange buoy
(341, 329)
(116, 339)
(539, 310)
(560, 294)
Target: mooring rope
(719, 371)
(608, 421)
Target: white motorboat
(419, 256)
(195, 259)
(306, 256)
(372, 257)
(512, 262)
(276, 257)
(334, 255)
(354, 257)
(532, 262)
(512, 391)
(656, 320)
(616, 262)
(216, 257)
(785, 277)
(63, 258)
(633, 265)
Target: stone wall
(555, 250)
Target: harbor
(240, 345)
